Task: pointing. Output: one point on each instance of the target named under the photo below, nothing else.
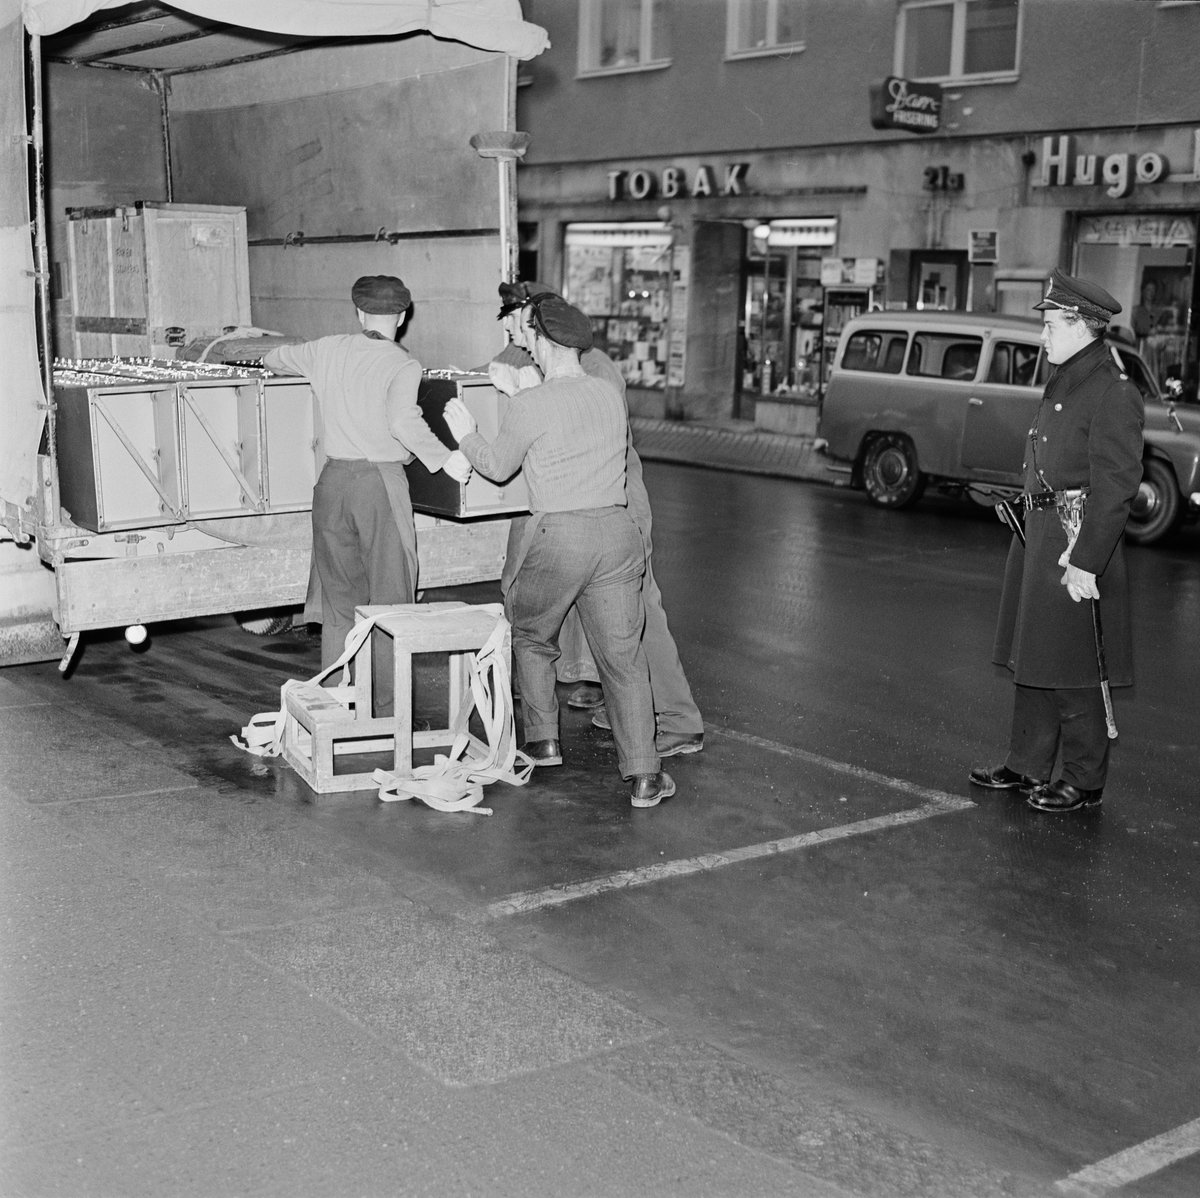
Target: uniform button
(1058, 407)
(1043, 438)
(1124, 377)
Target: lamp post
(505, 147)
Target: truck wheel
(890, 474)
(1156, 508)
(264, 623)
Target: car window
(1014, 363)
(1138, 373)
(1043, 370)
(944, 356)
(880, 351)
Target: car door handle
(975, 403)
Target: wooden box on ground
(318, 729)
(438, 494)
(147, 279)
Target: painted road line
(1139, 1161)
(556, 896)
(829, 763)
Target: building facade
(705, 179)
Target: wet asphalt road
(980, 1002)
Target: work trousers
(593, 559)
(674, 706)
(360, 558)
(1074, 717)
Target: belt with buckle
(1037, 501)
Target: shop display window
(632, 281)
(783, 322)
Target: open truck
(318, 139)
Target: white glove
(458, 419)
(457, 467)
(1079, 583)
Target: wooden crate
(438, 494)
(149, 278)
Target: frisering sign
(902, 104)
(1062, 166)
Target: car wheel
(264, 623)
(890, 474)
(1156, 508)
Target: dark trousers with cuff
(1075, 716)
(593, 559)
(360, 559)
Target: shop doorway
(783, 307)
(937, 280)
(1147, 262)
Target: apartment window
(764, 27)
(623, 35)
(959, 40)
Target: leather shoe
(676, 744)
(586, 697)
(1058, 797)
(600, 718)
(648, 790)
(1000, 777)
(543, 752)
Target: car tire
(890, 473)
(1156, 507)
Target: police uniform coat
(1088, 434)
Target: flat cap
(380, 295)
(517, 295)
(561, 322)
(1078, 295)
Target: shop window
(881, 352)
(959, 40)
(944, 356)
(764, 27)
(623, 35)
(632, 281)
(1014, 363)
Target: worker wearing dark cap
(364, 542)
(1084, 456)
(580, 546)
(680, 726)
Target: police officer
(1085, 452)
(364, 541)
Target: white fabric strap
(455, 781)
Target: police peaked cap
(380, 295)
(1078, 295)
(517, 295)
(560, 322)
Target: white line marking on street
(829, 763)
(555, 896)
(1141, 1160)
(132, 794)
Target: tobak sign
(902, 104)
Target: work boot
(600, 718)
(1060, 797)
(676, 744)
(1000, 777)
(543, 752)
(648, 790)
(586, 697)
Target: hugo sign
(902, 104)
(1061, 166)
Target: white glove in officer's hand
(458, 419)
(458, 467)
(1079, 583)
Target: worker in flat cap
(580, 546)
(364, 542)
(680, 726)
(1083, 466)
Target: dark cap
(380, 295)
(1078, 295)
(517, 295)
(561, 322)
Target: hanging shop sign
(1158, 230)
(1062, 166)
(674, 183)
(903, 104)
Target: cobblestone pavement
(730, 445)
